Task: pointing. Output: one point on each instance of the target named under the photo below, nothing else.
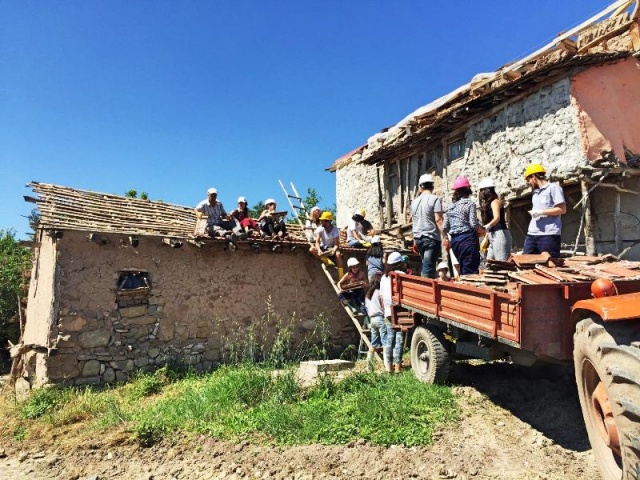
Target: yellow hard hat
(327, 216)
(534, 168)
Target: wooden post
(617, 226)
(590, 244)
(381, 200)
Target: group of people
(458, 227)
(376, 302)
(238, 224)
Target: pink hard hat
(461, 182)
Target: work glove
(535, 214)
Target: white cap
(212, 190)
(242, 199)
(393, 258)
(316, 209)
(487, 183)
(357, 212)
(352, 262)
(376, 239)
(269, 200)
(442, 265)
(425, 178)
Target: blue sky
(173, 97)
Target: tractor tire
(607, 367)
(429, 355)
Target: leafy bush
(43, 401)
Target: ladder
(360, 321)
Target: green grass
(248, 402)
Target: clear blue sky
(173, 97)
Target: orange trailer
(554, 322)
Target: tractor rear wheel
(607, 366)
(429, 355)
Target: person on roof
(312, 224)
(461, 222)
(243, 217)
(218, 222)
(271, 221)
(492, 215)
(426, 219)
(327, 241)
(548, 205)
(353, 285)
(375, 268)
(355, 232)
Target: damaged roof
(591, 42)
(70, 209)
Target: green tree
(14, 260)
(134, 194)
(257, 209)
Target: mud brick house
(122, 284)
(573, 105)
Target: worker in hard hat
(356, 237)
(461, 222)
(498, 238)
(353, 285)
(393, 348)
(443, 272)
(548, 206)
(426, 219)
(271, 221)
(312, 224)
(327, 241)
(243, 217)
(218, 221)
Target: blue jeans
(393, 350)
(542, 243)
(378, 331)
(430, 250)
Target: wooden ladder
(299, 212)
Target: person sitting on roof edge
(218, 221)
(352, 286)
(271, 221)
(243, 217)
(312, 224)
(355, 232)
(327, 242)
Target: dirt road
(516, 423)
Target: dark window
(133, 288)
(455, 150)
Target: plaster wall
(41, 303)
(202, 302)
(607, 98)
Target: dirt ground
(516, 423)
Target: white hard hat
(212, 190)
(352, 262)
(394, 257)
(242, 199)
(425, 178)
(376, 239)
(269, 200)
(487, 183)
(316, 209)
(442, 265)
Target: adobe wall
(201, 302)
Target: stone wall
(540, 128)
(203, 305)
